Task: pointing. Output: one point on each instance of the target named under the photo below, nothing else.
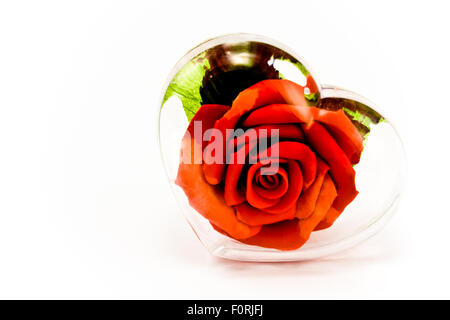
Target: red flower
(304, 188)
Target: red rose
(271, 201)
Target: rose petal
(263, 93)
(329, 219)
(324, 201)
(344, 132)
(206, 199)
(311, 84)
(341, 169)
(284, 235)
(292, 234)
(295, 151)
(233, 196)
(256, 217)
(268, 181)
(283, 131)
(274, 191)
(338, 124)
(280, 114)
(253, 197)
(307, 202)
(289, 200)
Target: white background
(85, 208)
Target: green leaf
(185, 85)
(313, 97)
(357, 116)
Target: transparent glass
(379, 175)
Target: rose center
(268, 181)
(273, 185)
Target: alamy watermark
(235, 146)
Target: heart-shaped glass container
(215, 72)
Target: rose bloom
(299, 183)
